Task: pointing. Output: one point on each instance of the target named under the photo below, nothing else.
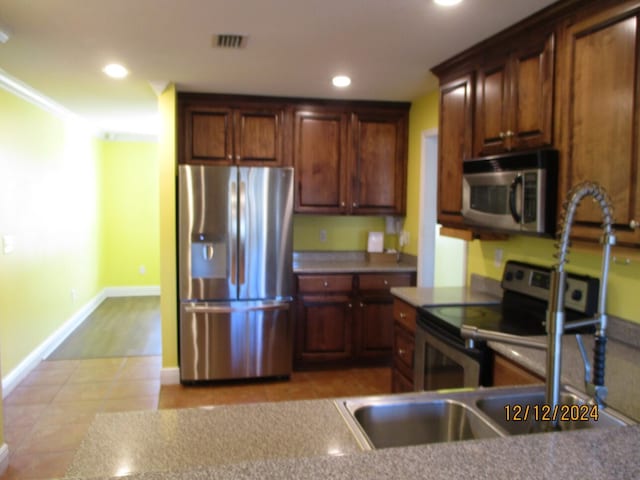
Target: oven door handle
(512, 197)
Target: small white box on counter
(376, 242)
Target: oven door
(443, 362)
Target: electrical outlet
(323, 235)
(142, 269)
(497, 257)
(74, 295)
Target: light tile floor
(48, 414)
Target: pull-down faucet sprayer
(555, 314)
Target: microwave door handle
(512, 198)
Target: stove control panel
(581, 291)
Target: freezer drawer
(221, 341)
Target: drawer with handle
(404, 314)
(317, 284)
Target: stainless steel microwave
(513, 192)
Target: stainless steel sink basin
(432, 417)
(527, 413)
(410, 420)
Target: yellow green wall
(423, 116)
(624, 280)
(343, 232)
(129, 213)
(167, 202)
(49, 203)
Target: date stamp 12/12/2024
(547, 413)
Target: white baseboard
(135, 291)
(15, 376)
(4, 458)
(19, 373)
(170, 376)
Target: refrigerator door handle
(233, 203)
(232, 309)
(207, 252)
(243, 231)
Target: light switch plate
(8, 244)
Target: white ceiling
(58, 47)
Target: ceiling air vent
(229, 40)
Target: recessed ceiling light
(115, 70)
(447, 3)
(341, 81)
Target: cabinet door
(320, 161)
(531, 101)
(324, 329)
(514, 98)
(493, 91)
(208, 136)
(601, 95)
(374, 328)
(454, 146)
(258, 136)
(378, 162)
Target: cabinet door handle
(325, 284)
(355, 204)
(342, 204)
(386, 283)
(633, 224)
(361, 305)
(509, 133)
(403, 315)
(230, 157)
(350, 306)
(401, 352)
(502, 135)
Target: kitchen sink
(432, 417)
(527, 413)
(410, 420)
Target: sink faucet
(556, 324)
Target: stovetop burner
(522, 310)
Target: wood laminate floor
(119, 327)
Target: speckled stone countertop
(581, 454)
(165, 440)
(347, 262)
(420, 296)
(622, 369)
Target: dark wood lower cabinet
(324, 329)
(345, 320)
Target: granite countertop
(166, 440)
(348, 262)
(166, 443)
(622, 369)
(421, 296)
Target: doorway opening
(442, 261)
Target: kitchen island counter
(169, 452)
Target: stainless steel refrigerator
(235, 272)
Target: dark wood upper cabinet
(218, 131)
(600, 91)
(514, 97)
(320, 160)
(350, 159)
(455, 144)
(378, 162)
